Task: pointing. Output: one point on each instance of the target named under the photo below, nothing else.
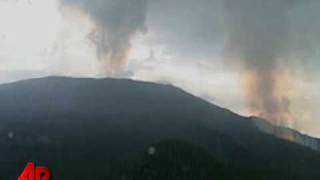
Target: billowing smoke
(117, 22)
(256, 44)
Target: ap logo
(33, 172)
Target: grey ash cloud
(117, 21)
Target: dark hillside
(90, 128)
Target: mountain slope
(287, 134)
(80, 127)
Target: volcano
(85, 128)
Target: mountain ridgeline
(122, 129)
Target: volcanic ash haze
(257, 39)
(117, 22)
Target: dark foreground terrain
(92, 129)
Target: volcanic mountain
(94, 129)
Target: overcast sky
(202, 46)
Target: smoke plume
(117, 22)
(256, 44)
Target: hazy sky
(206, 47)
